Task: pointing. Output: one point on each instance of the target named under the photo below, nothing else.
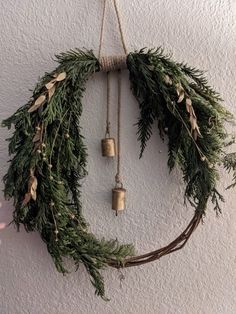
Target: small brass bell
(118, 199)
(108, 147)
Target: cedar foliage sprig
(166, 90)
(59, 165)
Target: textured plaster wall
(199, 279)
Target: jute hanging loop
(113, 63)
(102, 29)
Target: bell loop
(107, 134)
(119, 183)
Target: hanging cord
(102, 29)
(118, 177)
(120, 27)
(111, 63)
(108, 123)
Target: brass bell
(108, 147)
(118, 199)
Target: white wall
(199, 279)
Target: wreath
(50, 157)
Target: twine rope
(119, 25)
(118, 177)
(102, 29)
(108, 123)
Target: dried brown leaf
(193, 113)
(27, 198)
(181, 97)
(34, 183)
(51, 92)
(198, 131)
(188, 105)
(50, 84)
(32, 187)
(38, 102)
(179, 89)
(193, 122)
(195, 134)
(36, 138)
(61, 76)
(168, 80)
(33, 195)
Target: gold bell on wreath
(108, 147)
(118, 198)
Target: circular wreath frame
(174, 246)
(50, 156)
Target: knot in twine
(112, 63)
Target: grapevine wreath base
(50, 157)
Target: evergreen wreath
(50, 157)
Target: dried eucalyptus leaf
(168, 80)
(195, 134)
(33, 195)
(51, 92)
(179, 89)
(181, 97)
(38, 102)
(34, 183)
(27, 198)
(36, 138)
(50, 84)
(198, 131)
(193, 122)
(32, 187)
(61, 77)
(188, 104)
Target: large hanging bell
(108, 147)
(118, 199)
